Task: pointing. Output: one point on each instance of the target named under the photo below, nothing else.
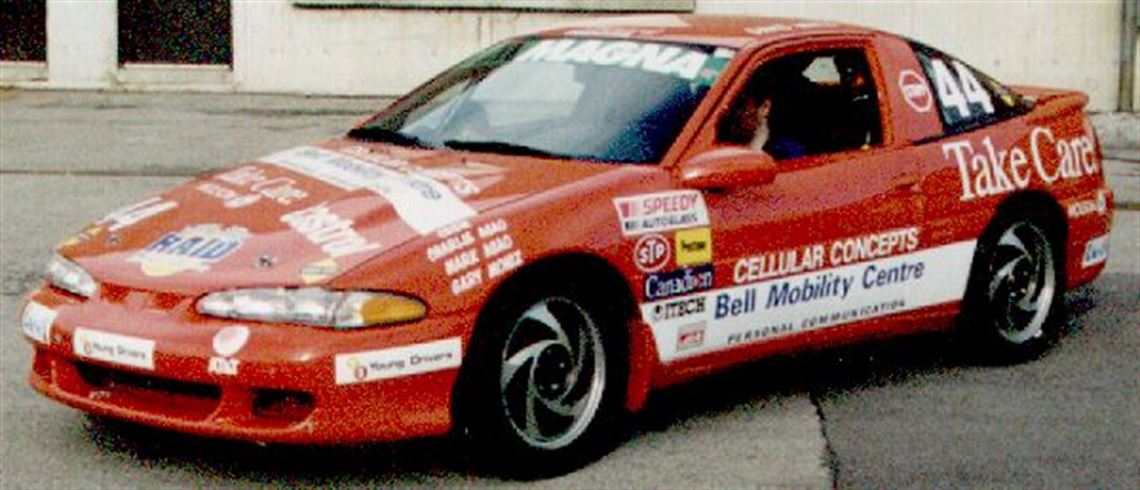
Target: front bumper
(160, 367)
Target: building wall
(281, 47)
(1058, 44)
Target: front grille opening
(282, 405)
(109, 379)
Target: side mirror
(729, 167)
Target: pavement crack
(830, 457)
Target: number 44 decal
(959, 89)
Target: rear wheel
(1014, 305)
(544, 391)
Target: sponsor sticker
(318, 271)
(1082, 208)
(677, 61)
(779, 28)
(281, 190)
(120, 219)
(651, 253)
(915, 91)
(1096, 251)
(691, 336)
(113, 348)
(87, 234)
(694, 247)
(811, 300)
(127, 216)
(193, 248)
(227, 342)
(375, 365)
(324, 228)
(659, 212)
(817, 256)
(465, 179)
(987, 171)
(678, 308)
(230, 198)
(223, 366)
(663, 285)
(420, 200)
(37, 321)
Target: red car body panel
(294, 219)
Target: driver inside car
(751, 125)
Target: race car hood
(304, 215)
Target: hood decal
(334, 234)
(422, 202)
(309, 215)
(193, 248)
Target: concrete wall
(1059, 44)
(280, 47)
(81, 46)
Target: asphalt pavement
(899, 413)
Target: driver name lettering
(472, 254)
(657, 58)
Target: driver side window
(807, 104)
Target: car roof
(727, 31)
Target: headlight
(68, 276)
(312, 306)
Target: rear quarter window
(967, 98)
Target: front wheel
(545, 387)
(1014, 304)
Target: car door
(820, 251)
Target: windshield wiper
(499, 147)
(384, 135)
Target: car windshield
(610, 100)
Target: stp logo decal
(651, 253)
(915, 91)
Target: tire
(1015, 304)
(546, 382)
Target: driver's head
(756, 103)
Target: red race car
(522, 248)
